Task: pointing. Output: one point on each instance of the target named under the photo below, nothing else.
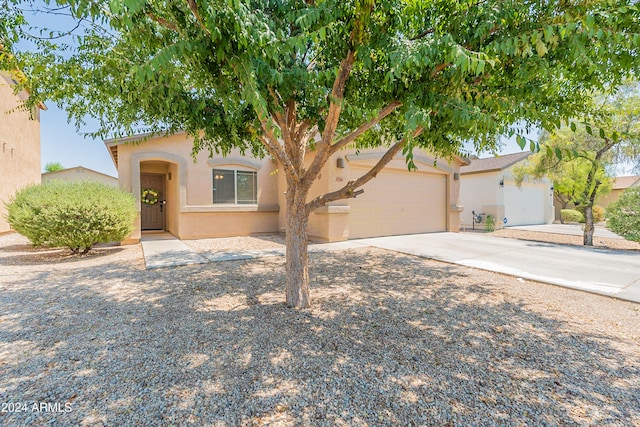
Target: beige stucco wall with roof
(620, 185)
(190, 212)
(19, 146)
(79, 174)
(527, 204)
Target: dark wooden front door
(152, 216)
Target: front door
(152, 207)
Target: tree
(568, 175)
(576, 158)
(300, 80)
(53, 167)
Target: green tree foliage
(576, 157)
(568, 173)
(300, 80)
(623, 215)
(76, 215)
(53, 167)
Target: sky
(60, 142)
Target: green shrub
(490, 224)
(598, 213)
(623, 216)
(73, 214)
(571, 215)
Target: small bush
(623, 216)
(490, 224)
(76, 215)
(598, 213)
(570, 215)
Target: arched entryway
(159, 199)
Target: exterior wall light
(502, 183)
(340, 163)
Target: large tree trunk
(588, 226)
(297, 255)
(588, 216)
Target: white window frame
(235, 186)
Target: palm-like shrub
(76, 215)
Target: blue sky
(60, 142)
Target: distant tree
(569, 178)
(53, 167)
(576, 157)
(300, 80)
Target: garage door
(525, 205)
(398, 202)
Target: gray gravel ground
(391, 340)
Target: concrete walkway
(605, 272)
(164, 250)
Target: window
(235, 187)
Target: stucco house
(79, 174)
(487, 186)
(241, 195)
(620, 184)
(19, 142)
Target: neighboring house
(19, 143)
(240, 195)
(487, 187)
(79, 174)
(620, 184)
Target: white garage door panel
(526, 205)
(398, 202)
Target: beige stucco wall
(607, 199)
(190, 212)
(527, 204)
(331, 223)
(79, 174)
(19, 147)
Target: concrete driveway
(606, 272)
(571, 229)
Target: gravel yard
(391, 340)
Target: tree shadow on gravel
(391, 340)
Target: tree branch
(364, 127)
(424, 34)
(163, 22)
(347, 191)
(271, 142)
(194, 10)
(333, 117)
